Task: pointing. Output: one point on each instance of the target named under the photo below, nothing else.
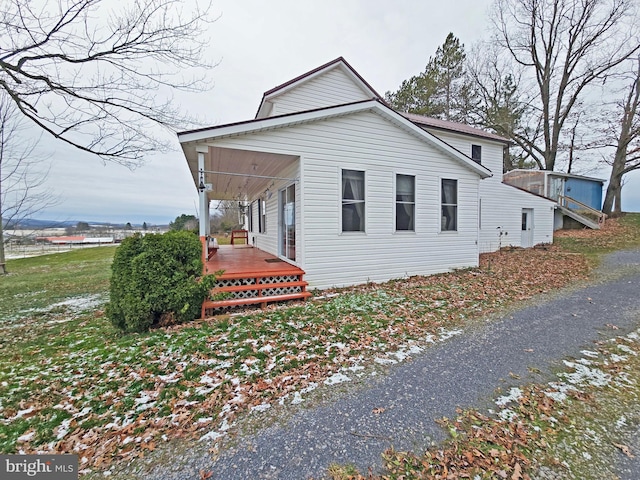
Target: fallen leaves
(624, 449)
(123, 396)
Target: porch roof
(244, 168)
(239, 174)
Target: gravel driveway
(464, 371)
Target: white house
(344, 188)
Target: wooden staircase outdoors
(581, 213)
(258, 288)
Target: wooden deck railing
(565, 201)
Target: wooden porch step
(259, 286)
(262, 274)
(234, 302)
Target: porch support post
(204, 210)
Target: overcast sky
(258, 45)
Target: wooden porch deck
(245, 259)
(252, 276)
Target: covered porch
(263, 185)
(251, 276)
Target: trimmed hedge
(156, 280)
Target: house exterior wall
(367, 142)
(328, 89)
(501, 215)
(499, 205)
(269, 240)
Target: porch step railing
(256, 289)
(581, 212)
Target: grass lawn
(70, 382)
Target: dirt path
(465, 371)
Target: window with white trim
(449, 199)
(353, 203)
(405, 203)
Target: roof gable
(333, 83)
(377, 106)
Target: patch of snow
(225, 425)
(586, 455)
(507, 415)
(384, 361)
(584, 375)
(79, 304)
(628, 350)
(247, 370)
(618, 358)
(309, 388)
(207, 380)
(589, 353)
(353, 368)
(560, 393)
(22, 413)
(27, 437)
(447, 334)
(261, 408)
(337, 378)
(401, 355)
(211, 436)
(621, 422)
(266, 349)
(514, 395)
(297, 398)
(225, 364)
(584, 361)
(63, 428)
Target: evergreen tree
(442, 90)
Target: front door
(527, 228)
(288, 222)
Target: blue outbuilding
(579, 198)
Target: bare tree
(94, 73)
(624, 136)
(564, 46)
(21, 172)
(500, 105)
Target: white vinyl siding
(502, 217)
(491, 151)
(367, 142)
(331, 88)
(500, 206)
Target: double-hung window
(353, 203)
(405, 203)
(449, 199)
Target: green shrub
(155, 279)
